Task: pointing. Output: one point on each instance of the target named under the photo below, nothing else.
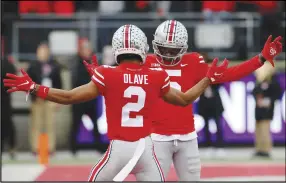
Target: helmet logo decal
(171, 30)
(127, 35)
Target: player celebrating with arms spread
(129, 90)
(174, 132)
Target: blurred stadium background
(237, 31)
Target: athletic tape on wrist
(262, 59)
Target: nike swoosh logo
(27, 82)
(183, 65)
(216, 74)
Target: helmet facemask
(169, 54)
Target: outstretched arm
(237, 72)
(77, 95)
(176, 97)
(269, 52)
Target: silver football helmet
(170, 42)
(129, 39)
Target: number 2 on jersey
(175, 73)
(126, 121)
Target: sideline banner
(238, 120)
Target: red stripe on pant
(158, 165)
(95, 170)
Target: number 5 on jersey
(126, 121)
(175, 73)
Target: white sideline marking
(244, 178)
(18, 172)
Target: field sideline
(237, 165)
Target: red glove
(24, 83)
(19, 83)
(271, 49)
(90, 67)
(214, 71)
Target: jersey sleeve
(200, 65)
(241, 70)
(165, 83)
(98, 79)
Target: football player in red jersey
(174, 132)
(130, 90)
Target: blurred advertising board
(238, 120)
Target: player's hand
(272, 49)
(215, 72)
(19, 83)
(90, 67)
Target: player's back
(130, 91)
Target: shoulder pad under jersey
(193, 58)
(151, 61)
(108, 66)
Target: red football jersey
(169, 119)
(130, 91)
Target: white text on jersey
(135, 79)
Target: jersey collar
(130, 65)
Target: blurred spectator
(210, 107)
(80, 77)
(163, 7)
(246, 6)
(46, 72)
(8, 128)
(107, 56)
(266, 92)
(217, 11)
(270, 19)
(138, 6)
(40, 7)
(62, 8)
(86, 6)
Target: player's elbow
(66, 102)
(183, 103)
